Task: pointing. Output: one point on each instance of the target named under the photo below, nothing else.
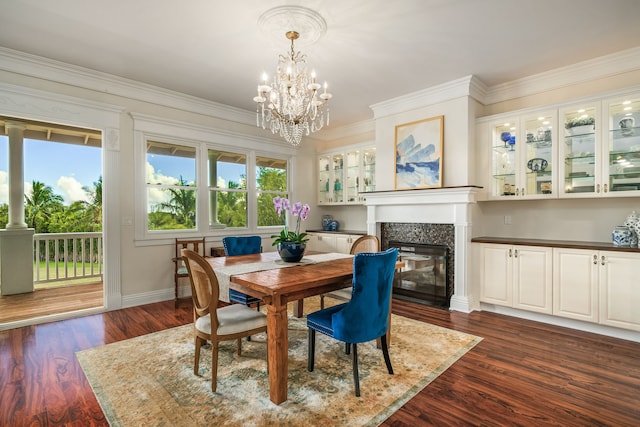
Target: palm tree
(94, 206)
(40, 205)
(182, 204)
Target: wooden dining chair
(215, 324)
(179, 266)
(365, 317)
(366, 243)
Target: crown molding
(153, 124)
(603, 66)
(351, 129)
(465, 86)
(60, 72)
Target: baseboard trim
(567, 323)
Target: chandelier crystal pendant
(292, 105)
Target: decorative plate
(537, 164)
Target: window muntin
(171, 186)
(227, 176)
(271, 182)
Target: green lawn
(65, 278)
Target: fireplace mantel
(449, 205)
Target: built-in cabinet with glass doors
(589, 149)
(523, 156)
(344, 176)
(601, 149)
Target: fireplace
(424, 277)
(440, 216)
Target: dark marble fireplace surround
(426, 234)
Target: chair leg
(356, 379)
(311, 350)
(214, 365)
(385, 352)
(347, 348)
(249, 305)
(239, 346)
(321, 302)
(196, 361)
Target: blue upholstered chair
(242, 245)
(366, 316)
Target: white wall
(456, 154)
(144, 271)
(575, 219)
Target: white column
(16, 242)
(16, 175)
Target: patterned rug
(149, 380)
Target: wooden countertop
(573, 244)
(358, 232)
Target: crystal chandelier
(292, 104)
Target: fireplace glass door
(424, 277)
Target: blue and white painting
(419, 154)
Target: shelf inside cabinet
(588, 157)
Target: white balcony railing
(68, 257)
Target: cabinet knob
(595, 259)
(598, 188)
(510, 253)
(515, 253)
(602, 260)
(517, 191)
(605, 188)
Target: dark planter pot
(291, 251)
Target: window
(271, 181)
(171, 186)
(200, 182)
(227, 174)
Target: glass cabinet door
(338, 178)
(538, 162)
(580, 151)
(324, 180)
(623, 149)
(353, 176)
(504, 158)
(368, 170)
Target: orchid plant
(298, 210)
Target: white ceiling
(373, 50)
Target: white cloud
(72, 190)
(4, 187)
(156, 195)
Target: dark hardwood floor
(522, 373)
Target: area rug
(149, 380)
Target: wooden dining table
(277, 287)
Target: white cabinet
(523, 156)
(331, 242)
(619, 289)
(575, 284)
(589, 149)
(344, 176)
(602, 156)
(517, 276)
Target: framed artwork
(419, 154)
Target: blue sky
(67, 168)
(64, 167)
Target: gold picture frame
(419, 154)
